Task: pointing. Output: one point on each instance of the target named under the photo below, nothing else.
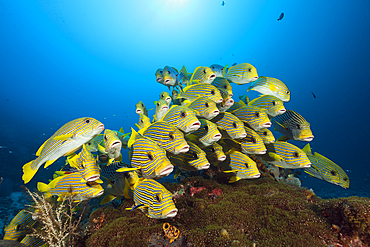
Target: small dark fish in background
(281, 16)
(313, 95)
(234, 64)
(223, 3)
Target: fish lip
(167, 81)
(166, 171)
(254, 78)
(100, 127)
(266, 125)
(138, 111)
(213, 76)
(220, 100)
(100, 193)
(171, 214)
(242, 136)
(184, 149)
(206, 166)
(282, 110)
(159, 79)
(222, 158)
(217, 137)
(257, 175)
(307, 165)
(262, 152)
(168, 98)
(93, 178)
(115, 144)
(195, 126)
(164, 108)
(308, 139)
(230, 102)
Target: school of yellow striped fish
(197, 126)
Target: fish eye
(204, 71)
(235, 125)
(183, 114)
(212, 149)
(162, 95)
(127, 175)
(89, 143)
(249, 70)
(18, 227)
(213, 92)
(273, 103)
(345, 179)
(157, 197)
(257, 114)
(254, 139)
(195, 156)
(142, 104)
(171, 137)
(87, 121)
(265, 133)
(246, 165)
(333, 173)
(105, 138)
(296, 154)
(150, 156)
(207, 105)
(225, 87)
(141, 121)
(287, 92)
(89, 184)
(298, 126)
(169, 72)
(206, 127)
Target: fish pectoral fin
(42, 187)
(63, 137)
(101, 149)
(177, 173)
(49, 162)
(233, 179)
(29, 172)
(99, 181)
(230, 171)
(107, 198)
(283, 138)
(135, 207)
(38, 153)
(126, 169)
(121, 130)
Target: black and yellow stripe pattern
(204, 107)
(224, 84)
(202, 89)
(233, 126)
(193, 160)
(181, 117)
(252, 143)
(273, 105)
(254, 116)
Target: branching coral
(59, 226)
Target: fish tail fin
(28, 171)
(233, 179)
(44, 188)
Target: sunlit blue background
(60, 60)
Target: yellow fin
(126, 169)
(49, 162)
(62, 137)
(230, 171)
(233, 179)
(101, 149)
(40, 148)
(28, 172)
(307, 149)
(42, 187)
(121, 130)
(192, 76)
(242, 103)
(107, 198)
(224, 70)
(99, 181)
(283, 139)
(134, 136)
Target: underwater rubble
(212, 212)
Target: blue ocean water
(62, 60)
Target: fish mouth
(307, 165)
(212, 77)
(257, 175)
(93, 178)
(230, 102)
(266, 125)
(167, 81)
(281, 111)
(115, 144)
(171, 214)
(206, 166)
(254, 78)
(166, 171)
(195, 126)
(100, 127)
(159, 79)
(100, 193)
(164, 108)
(216, 137)
(219, 101)
(242, 136)
(138, 111)
(184, 149)
(262, 152)
(222, 158)
(168, 98)
(308, 139)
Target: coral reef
(259, 212)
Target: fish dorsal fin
(322, 157)
(73, 160)
(53, 183)
(38, 153)
(224, 70)
(134, 136)
(121, 130)
(184, 72)
(175, 69)
(241, 102)
(230, 151)
(307, 149)
(107, 198)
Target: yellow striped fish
(71, 184)
(206, 135)
(112, 144)
(236, 106)
(227, 101)
(172, 77)
(252, 143)
(141, 109)
(325, 169)
(143, 123)
(159, 76)
(204, 107)
(153, 199)
(218, 69)
(151, 160)
(266, 135)
(166, 97)
(230, 125)
(254, 116)
(241, 73)
(293, 126)
(271, 86)
(202, 74)
(69, 138)
(224, 84)
(167, 137)
(241, 165)
(32, 241)
(214, 153)
(86, 165)
(198, 90)
(285, 155)
(193, 160)
(20, 225)
(161, 108)
(183, 118)
(273, 105)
